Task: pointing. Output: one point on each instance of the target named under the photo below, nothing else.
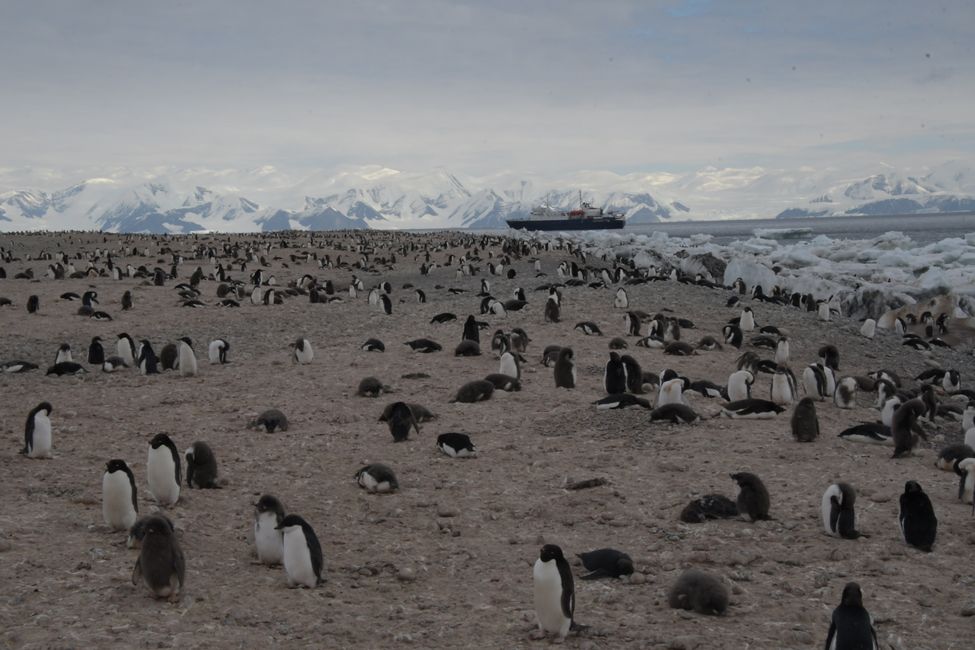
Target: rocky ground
(446, 561)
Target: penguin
(400, 420)
(965, 469)
(96, 352)
(614, 375)
(823, 310)
(829, 356)
(474, 391)
(377, 478)
(554, 592)
(869, 328)
(951, 382)
(951, 453)
(120, 498)
(187, 358)
(456, 445)
(671, 392)
(754, 409)
(700, 592)
(634, 374)
(740, 385)
(550, 355)
(125, 348)
(746, 322)
(168, 356)
(217, 351)
(919, 525)
(301, 351)
(620, 401)
(127, 301)
(161, 566)
(606, 563)
(871, 432)
(373, 345)
(676, 413)
(839, 516)
(621, 301)
(904, 425)
(845, 396)
(163, 470)
(504, 382)
(553, 311)
(710, 506)
(268, 538)
(66, 368)
(782, 351)
(471, 330)
(805, 423)
(421, 296)
(565, 369)
(148, 363)
(33, 304)
(588, 328)
(707, 388)
(733, 335)
(815, 382)
(753, 498)
(301, 553)
(386, 304)
(424, 346)
(509, 365)
(63, 355)
(888, 410)
(38, 440)
(111, 364)
(12, 367)
(632, 323)
(784, 390)
(851, 626)
(201, 466)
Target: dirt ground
(446, 561)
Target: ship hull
(566, 224)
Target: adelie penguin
(148, 362)
(851, 626)
(120, 500)
(302, 554)
(606, 563)
(614, 375)
(918, 523)
(161, 566)
(96, 352)
(471, 331)
(217, 351)
(125, 348)
(38, 440)
(163, 470)
(839, 515)
(474, 391)
(201, 466)
(268, 538)
(400, 419)
(187, 358)
(554, 591)
(373, 345)
(301, 351)
(753, 498)
(904, 425)
(565, 369)
(456, 445)
(377, 478)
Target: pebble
(406, 574)
(444, 511)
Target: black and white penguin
(965, 469)
(13, 367)
(471, 330)
(96, 352)
(746, 321)
(268, 538)
(386, 304)
(632, 323)
(851, 626)
(753, 497)
(456, 445)
(621, 301)
(952, 453)
(33, 304)
(66, 368)
(424, 346)
(839, 515)
(869, 328)
(554, 592)
(782, 351)
(201, 466)
(373, 345)
(709, 506)
(163, 470)
(606, 563)
(125, 348)
(675, 413)
(588, 328)
(784, 389)
(509, 365)
(301, 351)
(805, 423)
(740, 385)
(565, 369)
(421, 296)
(474, 391)
(733, 335)
(870, 432)
(400, 419)
(377, 478)
(161, 566)
(672, 391)
(120, 502)
(504, 382)
(187, 358)
(845, 396)
(904, 425)
(63, 354)
(700, 592)
(113, 363)
(148, 362)
(38, 440)
(919, 525)
(614, 375)
(951, 382)
(829, 356)
(752, 409)
(217, 351)
(301, 553)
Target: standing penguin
(33, 304)
(919, 525)
(301, 351)
(509, 365)
(161, 566)
(614, 376)
(187, 358)
(163, 470)
(96, 352)
(127, 301)
(565, 369)
(805, 423)
(201, 466)
(747, 320)
(125, 348)
(554, 589)
(851, 627)
(740, 385)
(553, 311)
(784, 389)
(386, 304)
(302, 554)
(753, 498)
(839, 516)
(621, 301)
(471, 332)
(148, 362)
(782, 351)
(37, 432)
(120, 503)
(268, 515)
(218, 351)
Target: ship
(585, 217)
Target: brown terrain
(447, 560)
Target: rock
(406, 574)
(444, 511)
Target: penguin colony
(545, 352)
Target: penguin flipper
(137, 572)
(832, 633)
(596, 575)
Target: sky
(535, 86)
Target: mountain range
(264, 199)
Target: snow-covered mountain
(264, 199)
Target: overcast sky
(482, 87)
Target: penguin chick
(700, 592)
(201, 466)
(377, 478)
(161, 566)
(805, 424)
(753, 497)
